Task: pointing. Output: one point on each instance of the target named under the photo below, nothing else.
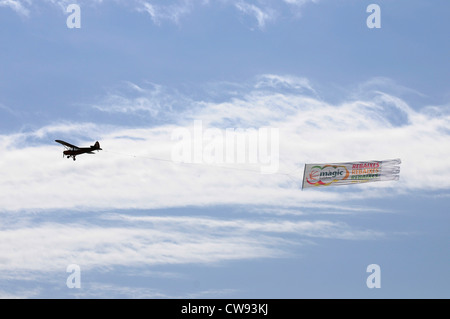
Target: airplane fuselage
(73, 151)
(79, 151)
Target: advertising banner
(329, 174)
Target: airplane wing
(67, 144)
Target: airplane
(73, 151)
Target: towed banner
(350, 173)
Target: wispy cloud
(16, 5)
(174, 11)
(130, 245)
(150, 100)
(8, 110)
(262, 15)
(126, 240)
(278, 82)
(300, 2)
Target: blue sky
(136, 71)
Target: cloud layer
(137, 161)
(102, 210)
(155, 240)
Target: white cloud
(124, 240)
(135, 170)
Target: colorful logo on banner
(327, 174)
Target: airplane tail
(96, 146)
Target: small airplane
(73, 151)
